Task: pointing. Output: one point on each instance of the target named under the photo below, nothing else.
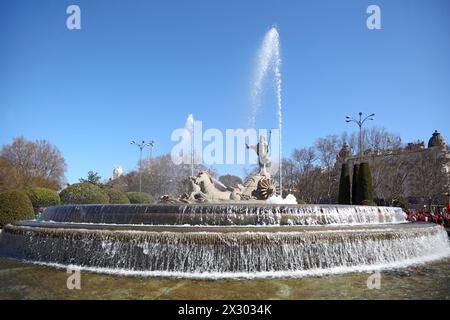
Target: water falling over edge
(216, 255)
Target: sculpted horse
(208, 187)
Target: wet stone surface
(20, 280)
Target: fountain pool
(216, 241)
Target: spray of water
(189, 126)
(190, 123)
(269, 60)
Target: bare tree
(390, 174)
(378, 139)
(34, 164)
(9, 177)
(304, 165)
(429, 176)
(290, 176)
(352, 139)
(327, 151)
(316, 172)
(160, 176)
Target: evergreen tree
(344, 185)
(365, 184)
(93, 178)
(355, 185)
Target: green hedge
(43, 197)
(365, 184)
(344, 185)
(139, 197)
(83, 193)
(356, 199)
(368, 203)
(402, 203)
(117, 197)
(15, 206)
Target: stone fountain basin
(219, 214)
(223, 240)
(223, 251)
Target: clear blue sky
(138, 68)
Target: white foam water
(290, 199)
(272, 214)
(213, 255)
(224, 240)
(234, 213)
(254, 275)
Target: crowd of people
(441, 217)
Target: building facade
(417, 173)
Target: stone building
(414, 172)
(117, 172)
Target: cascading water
(224, 240)
(269, 59)
(227, 254)
(224, 215)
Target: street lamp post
(150, 147)
(360, 123)
(141, 146)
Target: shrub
(344, 185)
(139, 197)
(117, 197)
(368, 203)
(365, 183)
(402, 203)
(83, 193)
(301, 201)
(355, 188)
(43, 197)
(15, 206)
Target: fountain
(223, 240)
(214, 231)
(269, 58)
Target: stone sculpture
(262, 150)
